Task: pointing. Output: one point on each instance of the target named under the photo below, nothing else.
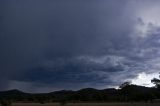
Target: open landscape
(87, 104)
(79, 52)
(126, 95)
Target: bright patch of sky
(145, 79)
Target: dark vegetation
(129, 93)
(126, 93)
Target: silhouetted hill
(62, 92)
(110, 91)
(127, 93)
(11, 93)
(14, 91)
(88, 91)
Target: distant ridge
(128, 93)
(12, 91)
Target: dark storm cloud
(72, 44)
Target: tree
(156, 82)
(125, 89)
(124, 85)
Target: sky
(48, 45)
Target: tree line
(127, 92)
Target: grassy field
(87, 104)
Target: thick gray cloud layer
(49, 45)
